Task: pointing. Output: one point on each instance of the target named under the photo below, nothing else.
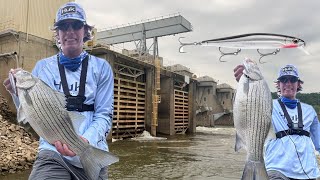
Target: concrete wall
(28, 53)
(205, 119)
(34, 17)
(210, 101)
(226, 99)
(192, 106)
(166, 107)
(225, 120)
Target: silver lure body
(252, 41)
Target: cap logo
(68, 9)
(287, 69)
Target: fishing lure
(256, 41)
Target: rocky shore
(18, 148)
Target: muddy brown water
(209, 154)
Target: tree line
(310, 98)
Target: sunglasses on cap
(76, 25)
(292, 79)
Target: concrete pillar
(192, 107)
(166, 107)
(150, 85)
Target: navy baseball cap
(70, 10)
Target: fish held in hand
(252, 119)
(44, 109)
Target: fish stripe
(59, 126)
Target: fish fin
(239, 143)
(255, 170)
(271, 134)
(27, 98)
(76, 119)
(94, 159)
(22, 120)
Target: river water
(209, 154)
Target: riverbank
(18, 148)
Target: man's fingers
(237, 68)
(238, 71)
(238, 77)
(63, 149)
(67, 151)
(84, 139)
(58, 146)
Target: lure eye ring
(295, 41)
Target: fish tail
(254, 170)
(94, 159)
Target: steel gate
(129, 102)
(181, 112)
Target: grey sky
(219, 18)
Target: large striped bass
(44, 109)
(252, 119)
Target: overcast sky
(219, 18)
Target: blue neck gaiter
(74, 63)
(289, 102)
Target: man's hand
(64, 150)
(238, 71)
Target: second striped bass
(252, 119)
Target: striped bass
(252, 110)
(44, 109)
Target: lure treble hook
(186, 44)
(266, 54)
(228, 53)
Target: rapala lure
(256, 41)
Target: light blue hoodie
(98, 91)
(284, 155)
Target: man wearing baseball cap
(87, 82)
(291, 154)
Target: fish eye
(295, 41)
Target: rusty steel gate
(181, 112)
(129, 102)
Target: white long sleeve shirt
(98, 91)
(294, 155)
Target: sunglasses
(76, 25)
(287, 79)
